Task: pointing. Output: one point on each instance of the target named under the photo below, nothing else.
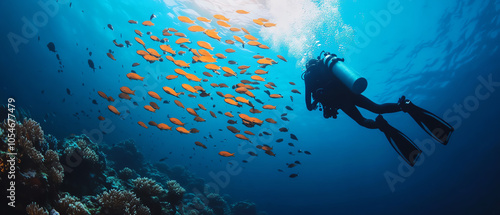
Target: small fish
(288, 108)
(162, 159)
(293, 136)
(293, 175)
(279, 140)
(110, 26)
(307, 152)
(291, 144)
(68, 91)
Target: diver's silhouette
(335, 86)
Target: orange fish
(271, 120)
(250, 37)
(179, 34)
(229, 114)
(111, 56)
(268, 24)
(134, 76)
(182, 130)
(172, 29)
(154, 38)
(263, 46)
(142, 124)
(171, 91)
(142, 52)
(242, 12)
(149, 108)
(253, 110)
(191, 111)
(153, 52)
(212, 66)
(100, 118)
(150, 58)
(204, 44)
(124, 96)
(257, 78)
(254, 43)
(276, 96)
(221, 17)
(189, 88)
(132, 22)
(167, 48)
(233, 129)
(282, 58)
(199, 119)
(185, 19)
(171, 77)
(177, 121)
(295, 91)
(103, 95)
(243, 137)
(193, 77)
(223, 24)
(269, 86)
(127, 90)
(248, 93)
(113, 109)
(230, 50)
(260, 72)
(135, 64)
(228, 70)
(226, 154)
(212, 34)
(213, 114)
(154, 95)
(200, 144)
(234, 29)
(203, 19)
(232, 102)
(258, 22)
(182, 40)
(179, 103)
(181, 63)
(140, 41)
(207, 74)
(269, 107)
(152, 123)
(239, 39)
(154, 105)
(138, 33)
(220, 56)
(245, 30)
(229, 42)
(148, 23)
(249, 133)
(243, 67)
(163, 126)
(196, 28)
(202, 107)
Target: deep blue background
(432, 52)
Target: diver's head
(312, 63)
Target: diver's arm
(310, 106)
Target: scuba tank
(346, 75)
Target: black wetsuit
(328, 90)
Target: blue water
(435, 53)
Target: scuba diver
(334, 86)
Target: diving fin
(399, 141)
(439, 129)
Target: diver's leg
(366, 103)
(354, 113)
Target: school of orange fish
(204, 53)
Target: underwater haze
(57, 55)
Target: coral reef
(85, 166)
(121, 202)
(75, 176)
(34, 209)
(243, 208)
(38, 169)
(218, 205)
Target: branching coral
(121, 202)
(217, 204)
(146, 187)
(71, 205)
(126, 173)
(175, 192)
(34, 209)
(243, 208)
